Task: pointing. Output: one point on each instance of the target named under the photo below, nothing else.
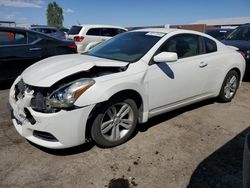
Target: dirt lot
(199, 146)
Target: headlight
(65, 96)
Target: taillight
(78, 38)
(72, 46)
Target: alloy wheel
(117, 121)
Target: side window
(32, 37)
(210, 45)
(10, 37)
(94, 31)
(185, 45)
(46, 31)
(109, 32)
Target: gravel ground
(199, 146)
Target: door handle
(203, 64)
(35, 49)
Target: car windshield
(241, 33)
(128, 47)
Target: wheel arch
(127, 93)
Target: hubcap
(117, 121)
(230, 87)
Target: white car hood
(48, 71)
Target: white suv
(87, 36)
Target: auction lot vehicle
(63, 101)
(219, 33)
(240, 38)
(87, 36)
(20, 48)
(51, 31)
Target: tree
(54, 15)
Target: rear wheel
(229, 86)
(115, 122)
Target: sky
(127, 13)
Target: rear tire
(115, 122)
(229, 86)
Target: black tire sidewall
(96, 134)
(222, 97)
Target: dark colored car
(240, 38)
(219, 33)
(246, 163)
(51, 31)
(19, 48)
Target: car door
(17, 53)
(174, 82)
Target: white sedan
(63, 101)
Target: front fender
(103, 91)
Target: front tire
(229, 86)
(115, 122)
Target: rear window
(74, 30)
(10, 37)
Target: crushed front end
(43, 125)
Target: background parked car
(90, 35)
(65, 30)
(21, 47)
(219, 33)
(240, 38)
(246, 163)
(51, 31)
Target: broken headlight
(65, 96)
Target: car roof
(98, 26)
(219, 29)
(13, 28)
(172, 30)
(43, 27)
(160, 30)
(21, 29)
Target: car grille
(45, 136)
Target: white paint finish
(175, 81)
(162, 87)
(165, 57)
(48, 71)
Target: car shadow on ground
(172, 114)
(246, 77)
(223, 168)
(142, 128)
(68, 151)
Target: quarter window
(210, 45)
(10, 37)
(185, 45)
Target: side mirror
(164, 57)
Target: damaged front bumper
(62, 129)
